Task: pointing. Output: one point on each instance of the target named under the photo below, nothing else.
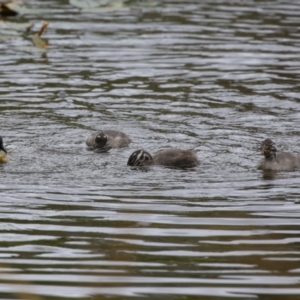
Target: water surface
(214, 76)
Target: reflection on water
(269, 175)
(217, 77)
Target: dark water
(215, 76)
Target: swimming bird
(107, 139)
(171, 158)
(273, 161)
(3, 152)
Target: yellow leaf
(37, 39)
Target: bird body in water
(171, 158)
(277, 161)
(107, 139)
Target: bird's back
(176, 158)
(284, 161)
(117, 139)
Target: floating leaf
(30, 49)
(11, 9)
(36, 38)
(16, 7)
(5, 10)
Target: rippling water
(214, 76)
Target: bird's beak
(264, 150)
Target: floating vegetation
(37, 37)
(13, 8)
(8, 9)
(17, 7)
(14, 31)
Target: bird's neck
(271, 156)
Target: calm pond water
(214, 76)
